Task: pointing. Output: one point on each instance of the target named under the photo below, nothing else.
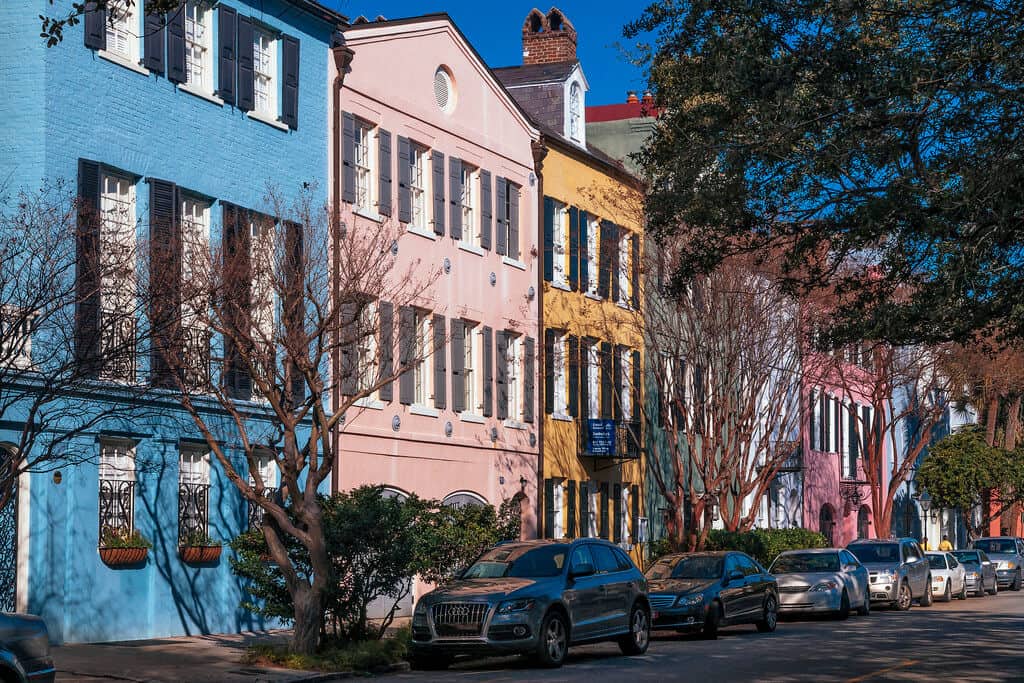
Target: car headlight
(689, 600)
(825, 586)
(1011, 565)
(938, 579)
(974, 575)
(520, 605)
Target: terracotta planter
(199, 554)
(123, 557)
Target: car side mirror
(734, 575)
(986, 563)
(581, 570)
(849, 567)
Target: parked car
(822, 580)
(24, 650)
(897, 571)
(949, 578)
(1007, 552)
(980, 572)
(535, 598)
(702, 592)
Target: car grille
(661, 601)
(459, 619)
(793, 589)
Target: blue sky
(494, 28)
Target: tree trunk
(1013, 423)
(308, 620)
(991, 419)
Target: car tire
(1015, 586)
(553, 643)
(981, 592)
(423, 662)
(948, 595)
(904, 597)
(770, 616)
(995, 588)
(712, 620)
(639, 632)
(844, 607)
(963, 591)
(865, 609)
(926, 599)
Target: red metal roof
(620, 112)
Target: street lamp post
(925, 500)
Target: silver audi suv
(534, 598)
(898, 572)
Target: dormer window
(575, 111)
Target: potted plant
(196, 547)
(121, 547)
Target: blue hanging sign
(600, 437)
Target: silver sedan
(822, 580)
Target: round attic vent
(444, 90)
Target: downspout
(540, 151)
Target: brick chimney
(631, 97)
(548, 38)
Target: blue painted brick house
(209, 109)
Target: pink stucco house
(427, 142)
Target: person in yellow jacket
(925, 546)
(945, 545)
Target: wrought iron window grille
(193, 510)
(117, 506)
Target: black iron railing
(117, 346)
(256, 512)
(628, 439)
(117, 506)
(193, 510)
(197, 357)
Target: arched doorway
(827, 523)
(864, 522)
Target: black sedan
(24, 650)
(702, 592)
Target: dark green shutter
(348, 158)
(404, 180)
(437, 184)
(227, 22)
(613, 242)
(386, 313)
(617, 513)
(87, 280)
(384, 173)
(458, 366)
(166, 349)
(574, 376)
(603, 511)
(618, 380)
(636, 411)
(604, 271)
(290, 95)
(440, 368)
(455, 198)
(584, 248)
(95, 21)
(570, 509)
(529, 378)
(812, 427)
(501, 376)
(584, 379)
(488, 372)
(549, 371)
(634, 502)
(351, 334)
(238, 276)
(854, 447)
(176, 47)
(246, 94)
(486, 212)
(549, 508)
(549, 238)
(634, 288)
(574, 248)
(153, 42)
(406, 348)
(584, 509)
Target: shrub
(118, 538)
(764, 545)
(365, 657)
(198, 538)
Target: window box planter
(199, 554)
(123, 557)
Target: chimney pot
(648, 97)
(548, 38)
(631, 97)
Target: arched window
(826, 523)
(391, 492)
(575, 111)
(863, 522)
(463, 498)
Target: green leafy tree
(864, 137)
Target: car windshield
(996, 545)
(967, 556)
(807, 562)
(519, 562)
(876, 552)
(687, 567)
(936, 562)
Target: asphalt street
(981, 639)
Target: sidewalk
(198, 659)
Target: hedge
(764, 545)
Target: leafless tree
(291, 300)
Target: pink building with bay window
(428, 143)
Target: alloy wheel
(641, 631)
(555, 640)
(905, 597)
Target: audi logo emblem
(460, 611)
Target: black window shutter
(295, 303)
(584, 247)
(617, 516)
(458, 365)
(837, 433)
(95, 21)
(854, 439)
(549, 508)
(549, 371)
(384, 173)
(618, 383)
(290, 81)
(351, 333)
(455, 197)
(486, 212)
(437, 171)
(87, 283)
(529, 363)
(227, 20)
(584, 378)
(488, 372)
(634, 288)
(236, 234)
(404, 180)
(165, 282)
(606, 381)
(634, 502)
(348, 158)
(574, 248)
(153, 42)
(513, 221)
(823, 424)
(812, 427)
(635, 388)
(574, 376)
(246, 95)
(613, 243)
(501, 216)
(584, 509)
(604, 271)
(176, 46)
(386, 313)
(549, 239)
(501, 376)
(603, 511)
(440, 367)
(570, 509)
(406, 344)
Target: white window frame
(195, 226)
(117, 463)
(199, 45)
(193, 465)
(593, 264)
(558, 508)
(264, 304)
(419, 185)
(625, 284)
(266, 463)
(625, 517)
(468, 202)
(593, 382)
(16, 336)
(367, 348)
(513, 375)
(471, 338)
(122, 31)
(593, 523)
(626, 368)
(118, 243)
(264, 72)
(422, 387)
(560, 366)
(560, 248)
